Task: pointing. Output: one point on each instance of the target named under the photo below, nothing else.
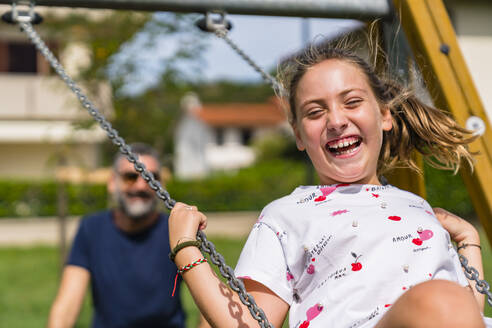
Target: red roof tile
(242, 114)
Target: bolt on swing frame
(24, 20)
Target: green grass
(29, 281)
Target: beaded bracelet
(186, 268)
(465, 245)
(182, 245)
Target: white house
(37, 110)
(213, 137)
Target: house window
(22, 57)
(246, 136)
(219, 136)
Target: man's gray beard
(137, 210)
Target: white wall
(473, 24)
(38, 160)
(191, 139)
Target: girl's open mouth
(344, 146)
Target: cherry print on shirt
(289, 276)
(375, 195)
(425, 234)
(312, 313)
(339, 212)
(328, 190)
(394, 218)
(356, 266)
(310, 268)
(305, 324)
(244, 277)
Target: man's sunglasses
(132, 177)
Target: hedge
(26, 198)
(249, 189)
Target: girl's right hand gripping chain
(184, 223)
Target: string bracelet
(182, 245)
(465, 245)
(187, 268)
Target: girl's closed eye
(353, 102)
(314, 112)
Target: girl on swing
(350, 252)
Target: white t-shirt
(340, 255)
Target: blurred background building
(213, 137)
(473, 27)
(38, 113)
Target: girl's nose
(336, 120)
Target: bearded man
(123, 253)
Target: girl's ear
(297, 134)
(387, 119)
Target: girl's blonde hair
(416, 126)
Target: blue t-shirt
(132, 277)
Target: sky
(263, 38)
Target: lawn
(29, 281)
(29, 278)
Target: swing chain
(221, 31)
(471, 273)
(235, 284)
(105, 125)
(125, 149)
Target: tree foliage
(131, 48)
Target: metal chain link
(105, 125)
(277, 87)
(207, 246)
(471, 273)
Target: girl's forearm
(216, 301)
(474, 256)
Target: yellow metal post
(432, 38)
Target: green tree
(126, 48)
